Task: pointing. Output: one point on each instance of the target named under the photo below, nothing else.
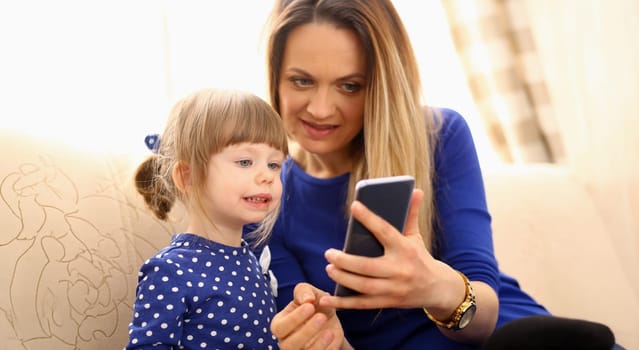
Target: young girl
(220, 154)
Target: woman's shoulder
(452, 130)
(448, 121)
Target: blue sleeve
(463, 224)
(158, 310)
(289, 271)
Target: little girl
(220, 154)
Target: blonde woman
(343, 76)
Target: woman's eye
(244, 163)
(302, 82)
(274, 166)
(351, 87)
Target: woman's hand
(406, 276)
(303, 324)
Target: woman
(343, 76)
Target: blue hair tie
(152, 142)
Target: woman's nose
(321, 105)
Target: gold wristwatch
(464, 313)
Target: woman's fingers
(303, 324)
(412, 221)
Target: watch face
(467, 317)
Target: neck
(323, 166)
(230, 236)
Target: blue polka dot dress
(198, 294)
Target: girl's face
(322, 88)
(243, 184)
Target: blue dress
(312, 221)
(199, 294)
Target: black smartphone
(388, 197)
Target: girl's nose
(265, 176)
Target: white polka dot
(149, 333)
(169, 307)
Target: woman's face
(322, 88)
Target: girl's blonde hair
(200, 125)
(399, 135)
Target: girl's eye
(274, 166)
(244, 163)
(302, 82)
(351, 87)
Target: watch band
(467, 305)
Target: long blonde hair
(200, 125)
(399, 135)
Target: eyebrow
(346, 77)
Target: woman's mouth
(318, 130)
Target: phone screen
(388, 197)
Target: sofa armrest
(549, 234)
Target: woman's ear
(181, 176)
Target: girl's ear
(181, 176)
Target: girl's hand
(303, 324)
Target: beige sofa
(74, 234)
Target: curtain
(558, 81)
(591, 58)
(498, 54)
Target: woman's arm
(408, 276)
